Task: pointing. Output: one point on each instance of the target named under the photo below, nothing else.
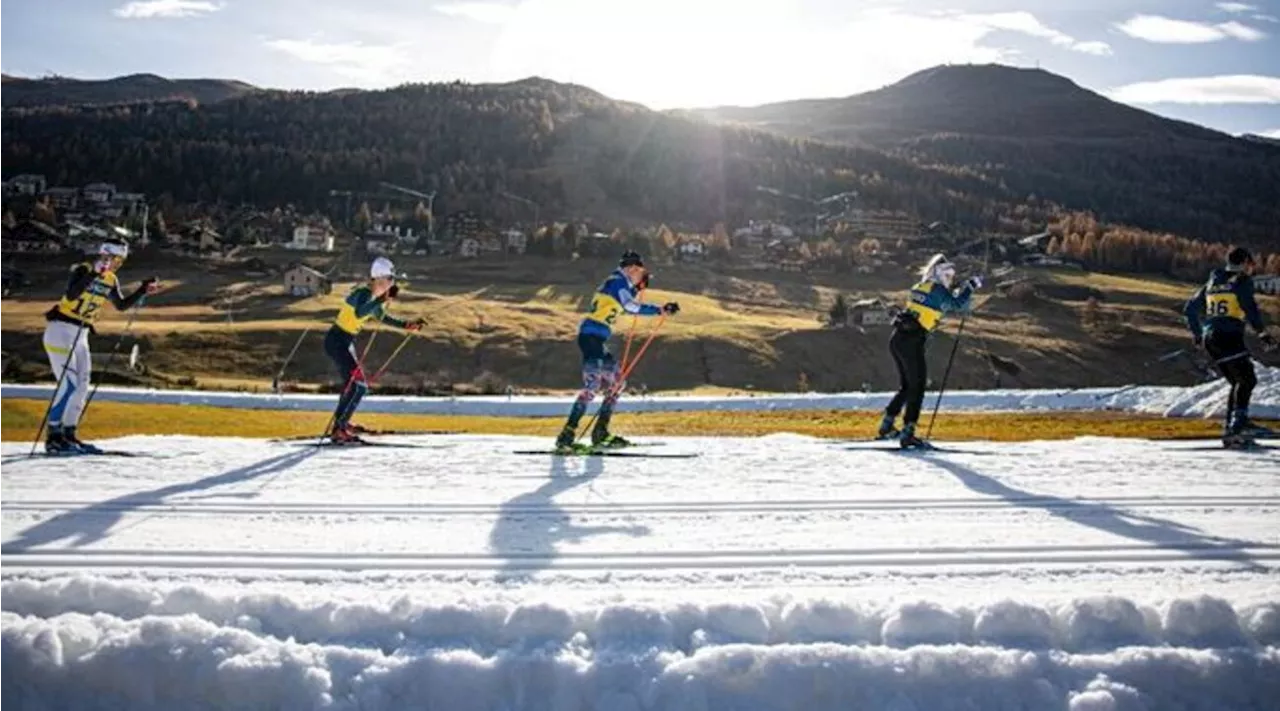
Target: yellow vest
(1221, 300)
(918, 304)
(347, 319)
(86, 307)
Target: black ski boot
(566, 438)
(56, 443)
(887, 430)
(909, 440)
(69, 435)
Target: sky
(1214, 63)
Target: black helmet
(630, 258)
(1239, 257)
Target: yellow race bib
(85, 308)
(605, 309)
(917, 303)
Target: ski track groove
(180, 507)
(514, 561)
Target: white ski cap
(382, 268)
(113, 249)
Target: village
(850, 240)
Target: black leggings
(1231, 358)
(907, 346)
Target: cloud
(688, 67)
(1223, 89)
(493, 13)
(373, 64)
(1273, 133)
(1235, 7)
(148, 9)
(1028, 24)
(1154, 28)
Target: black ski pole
(111, 359)
(75, 342)
(942, 388)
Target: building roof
(306, 269)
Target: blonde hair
(930, 271)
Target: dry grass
(109, 419)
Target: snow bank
(87, 642)
(1206, 400)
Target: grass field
(20, 418)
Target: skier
(92, 284)
(365, 302)
(928, 301)
(1226, 298)
(600, 371)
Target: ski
(356, 444)
(371, 433)
(606, 453)
(71, 455)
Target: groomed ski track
(1085, 548)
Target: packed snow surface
(1206, 400)
(780, 572)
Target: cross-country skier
(1226, 299)
(91, 286)
(365, 302)
(928, 301)
(600, 371)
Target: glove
(415, 325)
(151, 285)
(974, 282)
(1268, 341)
(671, 307)
(393, 292)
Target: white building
(517, 241)
(1267, 284)
(26, 184)
(314, 238)
(301, 280)
(98, 193)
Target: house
(469, 247)
(490, 243)
(312, 237)
(201, 237)
(870, 312)
(756, 235)
(127, 203)
(881, 224)
(1269, 284)
(379, 246)
(26, 184)
(1039, 241)
(517, 242)
(33, 236)
(301, 280)
(98, 193)
(63, 198)
(690, 248)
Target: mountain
(1040, 133)
(132, 89)
(980, 147)
(571, 150)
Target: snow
(1206, 400)
(777, 572)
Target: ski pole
(365, 354)
(275, 383)
(358, 370)
(403, 342)
(942, 388)
(75, 342)
(623, 375)
(631, 332)
(128, 326)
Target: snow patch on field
(1206, 400)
